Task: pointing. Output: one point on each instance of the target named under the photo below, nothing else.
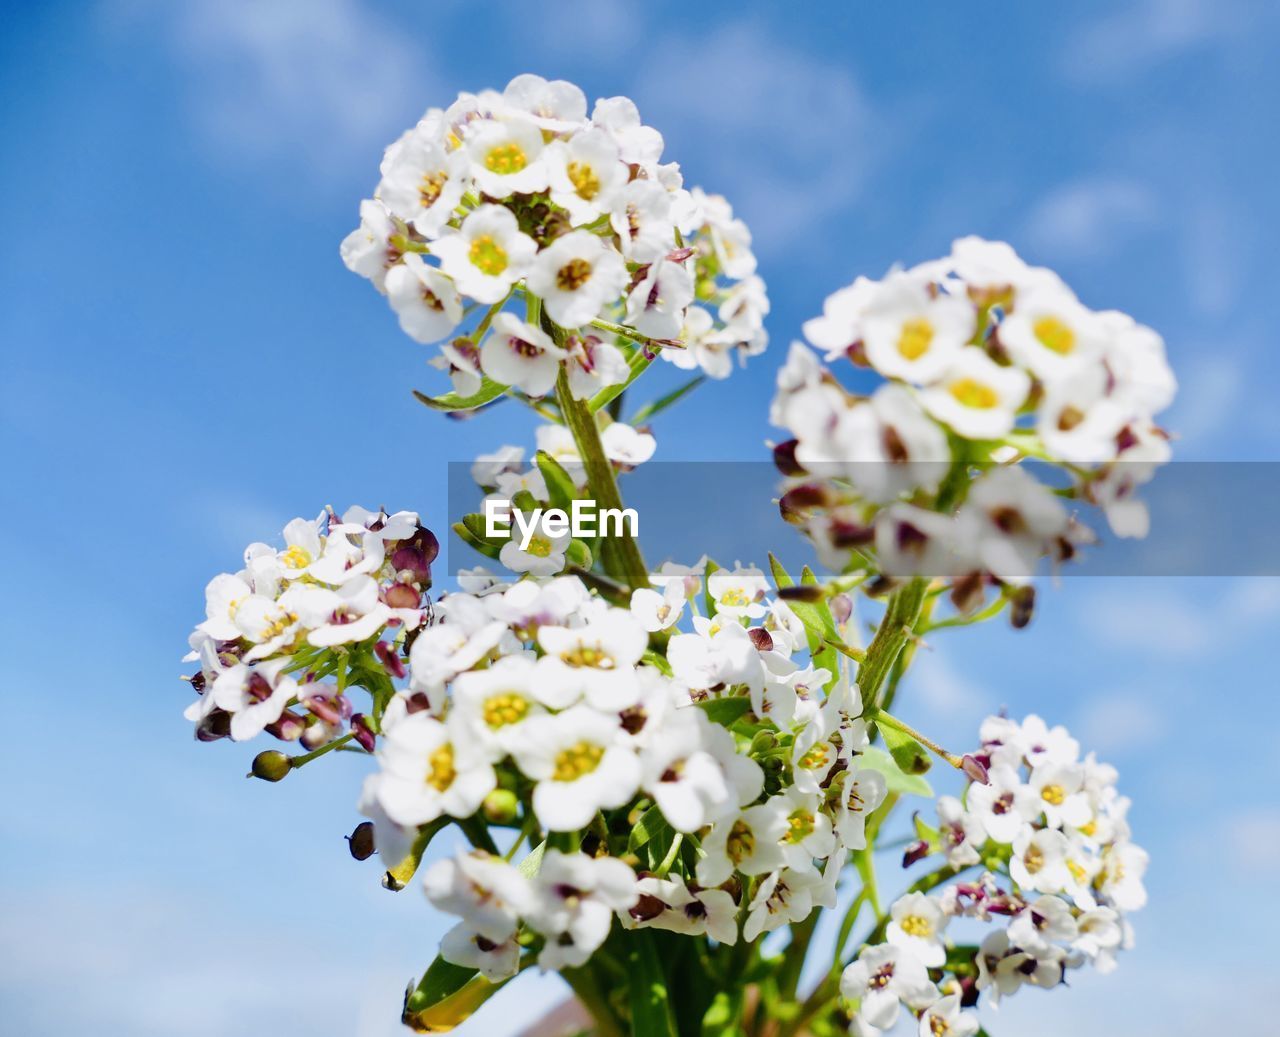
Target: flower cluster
(276, 632)
(987, 362)
(1059, 874)
(521, 193)
(742, 769)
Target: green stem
(889, 720)
(299, 761)
(585, 986)
(894, 632)
(628, 562)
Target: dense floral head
(522, 195)
(987, 363)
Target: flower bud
(390, 659)
(362, 728)
(763, 742)
(841, 608)
(975, 769)
(761, 638)
(288, 728)
(270, 765)
(1024, 603)
(360, 842)
(501, 807)
(915, 852)
(784, 458)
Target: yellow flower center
(1033, 860)
(573, 275)
(1089, 830)
(915, 339)
(588, 655)
(815, 758)
(586, 185)
(1055, 335)
(1054, 795)
(539, 547)
(1069, 418)
(505, 708)
(576, 761)
(440, 769)
(432, 300)
(430, 186)
(799, 826)
(487, 255)
(506, 159)
(741, 842)
(1077, 871)
(735, 598)
(969, 392)
(914, 925)
(295, 557)
(279, 625)
(938, 1026)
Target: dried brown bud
(360, 842)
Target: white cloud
(1090, 218)
(314, 80)
(1148, 619)
(1214, 384)
(935, 683)
(1122, 722)
(1253, 839)
(1147, 32)
(786, 136)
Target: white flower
(681, 909)
(637, 144)
(945, 1018)
(357, 614)
(1099, 936)
(555, 104)
(487, 893)
(738, 592)
(749, 842)
(1051, 334)
(809, 833)
(1016, 520)
(721, 652)
(961, 832)
(784, 896)
(223, 597)
(656, 610)
(544, 555)
(593, 364)
(368, 250)
(426, 772)
(1045, 921)
(581, 761)
(1135, 356)
(586, 174)
(884, 977)
(1123, 867)
(1043, 744)
(575, 903)
(506, 157)
(496, 960)
(913, 541)
(461, 358)
(487, 467)
(1004, 806)
(1039, 860)
(912, 333)
(422, 184)
(917, 923)
(729, 237)
(596, 661)
(641, 217)
(976, 396)
(516, 353)
(255, 696)
(840, 326)
(626, 446)
(577, 276)
(656, 305)
(1059, 789)
(487, 255)
(495, 704)
(425, 300)
(1078, 421)
(855, 793)
(442, 651)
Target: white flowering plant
(666, 776)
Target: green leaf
(925, 832)
(663, 402)
(637, 362)
(819, 624)
(898, 782)
(657, 659)
(910, 756)
(651, 1014)
(725, 711)
(471, 532)
(708, 601)
(650, 825)
(488, 392)
(560, 485)
(441, 980)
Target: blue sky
(185, 364)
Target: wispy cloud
(1253, 840)
(787, 136)
(1090, 218)
(1122, 722)
(313, 80)
(1147, 32)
